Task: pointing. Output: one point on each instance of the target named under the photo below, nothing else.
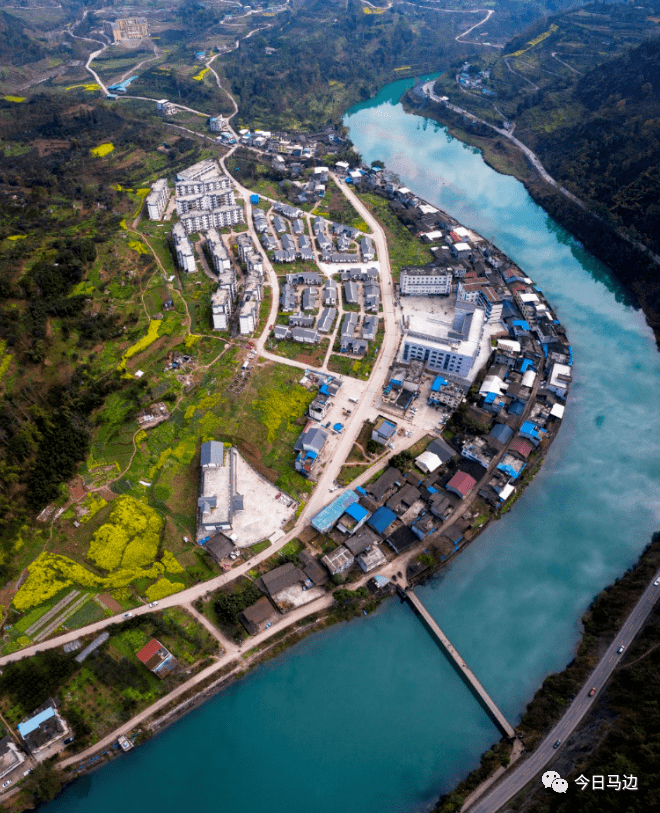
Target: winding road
(515, 780)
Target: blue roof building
(438, 382)
(328, 516)
(501, 432)
(381, 519)
(34, 722)
(357, 511)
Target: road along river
(368, 716)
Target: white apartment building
(483, 295)
(221, 308)
(218, 252)
(157, 199)
(204, 201)
(205, 219)
(425, 282)
(185, 255)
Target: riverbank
(629, 265)
(600, 625)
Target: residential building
(367, 249)
(372, 297)
(371, 559)
(383, 430)
(326, 320)
(219, 546)
(302, 320)
(402, 539)
(425, 281)
(348, 325)
(185, 255)
(309, 297)
(385, 485)
(248, 314)
(325, 519)
(351, 293)
(287, 298)
(219, 254)
(461, 484)
(560, 379)
(403, 499)
(202, 220)
(260, 220)
(157, 199)
(43, 729)
(304, 278)
(218, 123)
(353, 518)
(282, 584)
(338, 560)
(11, 756)
(221, 308)
(201, 178)
(259, 616)
(157, 658)
(370, 327)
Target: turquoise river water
(368, 717)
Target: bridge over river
(467, 675)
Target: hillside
(580, 89)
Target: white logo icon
(560, 785)
(549, 777)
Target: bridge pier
(459, 664)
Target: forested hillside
(612, 156)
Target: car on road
(153, 604)
(620, 649)
(592, 692)
(657, 582)
(128, 615)
(6, 784)
(557, 744)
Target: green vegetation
(404, 249)
(230, 603)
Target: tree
(45, 782)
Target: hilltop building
(130, 28)
(157, 199)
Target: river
(368, 717)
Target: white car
(657, 582)
(153, 604)
(128, 615)
(6, 784)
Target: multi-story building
(221, 308)
(157, 199)
(483, 295)
(218, 252)
(450, 348)
(218, 123)
(203, 220)
(425, 282)
(204, 200)
(185, 255)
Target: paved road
(528, 769)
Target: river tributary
(368, 717)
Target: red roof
(462, 482)
(149, 650)
(522, 446)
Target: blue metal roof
(501, 432)
(360, 490)
(357, 511)
(323, 389)
(521, 323)
(438, 382)
(490, 397)
(35, 722)
(525, 364)
(516, 408)
(381, 519)
(338, 427)
(528, 428)
(327, 516)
